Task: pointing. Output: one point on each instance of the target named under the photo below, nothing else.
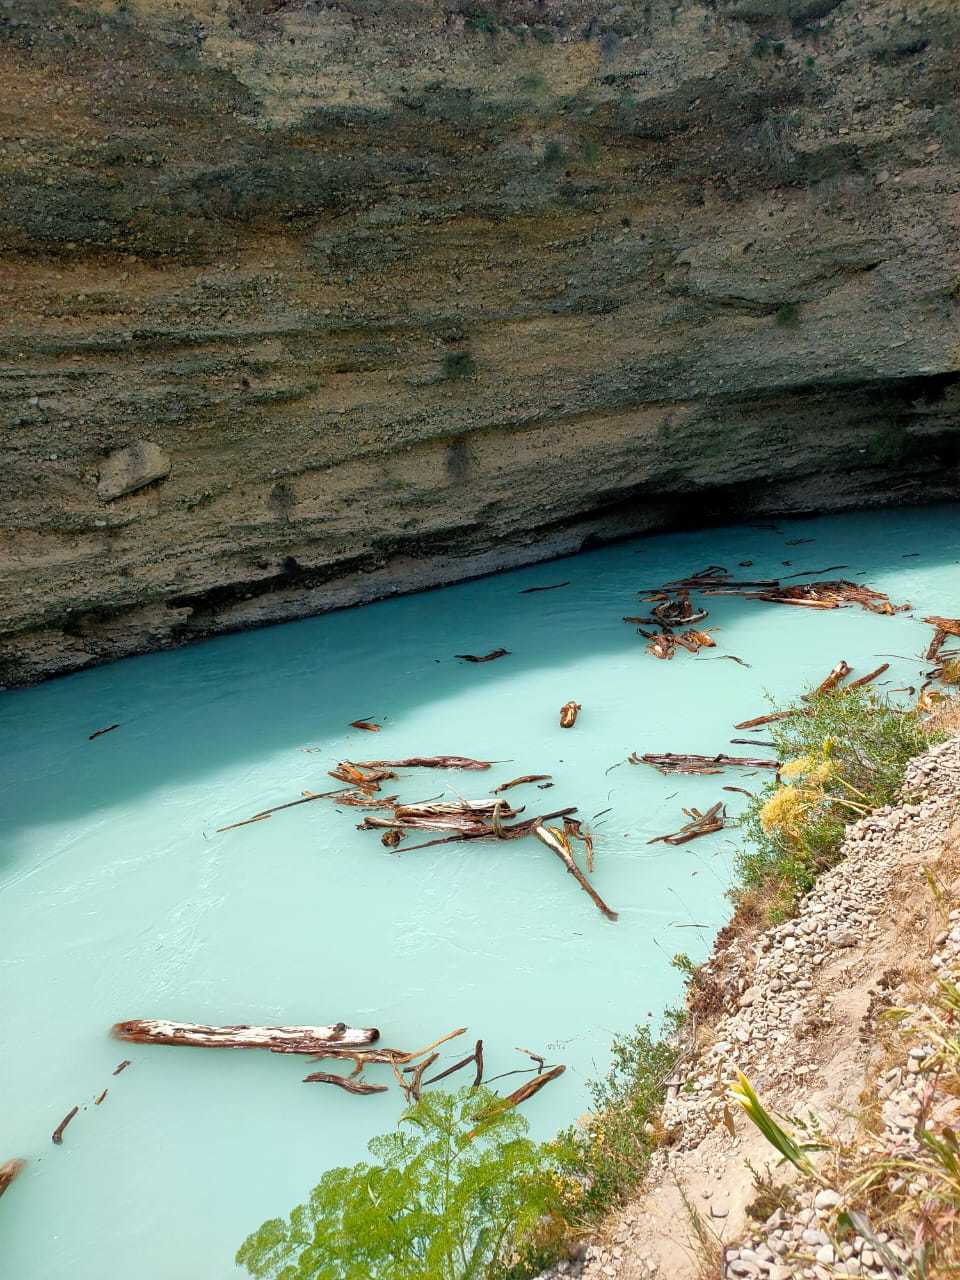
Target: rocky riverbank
(306, 303)
(801, 1015)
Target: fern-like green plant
(456, 1188)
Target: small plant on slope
(614, 1147)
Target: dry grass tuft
(945, 718)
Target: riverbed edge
(811, 1047)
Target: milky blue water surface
(118, 900)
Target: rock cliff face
(379, 294)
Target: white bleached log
(304, 1040)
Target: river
(118, 899)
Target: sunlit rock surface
(407, 291)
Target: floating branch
(668, 762)
(121, 1066)
(839, 672)
(742, 790)
(98, 733)
(425, 762)
(700, 824)
(869, 677)
(411, 1088)
(354, 775)
(10, 1170)
(753, 742)
(769, 719)
(936, 644)
(364, 800)
(516, 782)
(476, 1057)
(528, 1089)
(306, 1040)
(568, 714)
(98, 1100)
(495, 832)
(57, 1135)
(483, 657)
(365, 1056)
(345, 1082)
(365, 724)
(809, 573)
(943, 627)
(574, 829)
(265, 813)
(394, 1058)
(555, 586)
(557, 843)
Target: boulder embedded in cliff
(126, 470)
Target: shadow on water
(187, 715)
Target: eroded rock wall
(401, 291)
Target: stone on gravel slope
(127, 470)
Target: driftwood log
(558, 843)
(306, 1040)
(98, 733)
(700, 824)
(669, 762)
(839, 672)
(516, 782)
(57, 1136)
(943, 627)
(425, 762)
(574, 829)
(306, 798)
(345, 1082)
(774, 716)
(483, 657)
(869, 677)
(483, 830)
(9, 1170)
(526, 1090)
(476, 1058)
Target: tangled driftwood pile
(670, 762)
(700, 824)
(335, 1042)
(457, 821)
(673, 608)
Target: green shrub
(480, 20)
(456, 1188)
(788, 316)
(844, 754)
(613, 1148)
(458, 364)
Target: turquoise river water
(119, 900)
